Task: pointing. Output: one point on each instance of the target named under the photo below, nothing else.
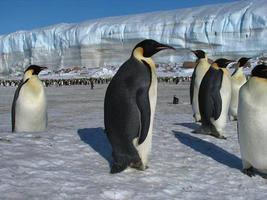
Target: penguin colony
(130, 102)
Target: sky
(18, 15)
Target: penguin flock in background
(131, 97)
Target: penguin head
(260, 71)
(151, 47)
(242, 61)
(222, 62)
(33, 70)
(199, 54)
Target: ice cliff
(231, 29)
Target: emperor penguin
(252, 121)
(214, 98)
(29, 112)
(238, 79)
(129, 107)
(200, 70)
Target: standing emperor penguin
(29, 104)
(238, 79)
(129, 107)
(252, 121)
(214, 98)
(200, 70)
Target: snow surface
(232, 29)
(71, 159)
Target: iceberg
(231, 29)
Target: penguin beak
(42, 68)
(164, 46)
(195, 52)
(229, 61)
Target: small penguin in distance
(129, 107)
(214, 98)
(252, 121)
(200, 70)
(29, 107)
(175, 100)
(238, 79)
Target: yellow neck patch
(138, 54)
(215, 66)
(35, 85)
(28, 74)
(225, 71)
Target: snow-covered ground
(71, 159)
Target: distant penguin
(175, 100)
(214, 98)
(252, 121)
(200, 70)
(238, 79)
(29, 104)
(129, 107)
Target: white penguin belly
(252, 127)
(200, 73)
(30, 113)
(234, 100)
(225, 92)
(236, 85)
(145, 148)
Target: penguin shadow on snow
(97, 139)
(191, 125)
(211, 150)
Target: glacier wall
(231, 29)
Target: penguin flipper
(216, 103)
(210, 102)
(13, 110)
(192, 85)
(142, 100)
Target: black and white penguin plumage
(200, 70)
(214, 98)
(238, 79)
(129, 107)
(29, 112)
(252, 121)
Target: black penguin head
(242, 61)
(199, 54)
(151, 47)
(222, 62)
(260, 71)
(34, 69)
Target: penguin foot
(202, 130)
(217, 135)
(117, 168)
(138, 165)
(249, 171)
